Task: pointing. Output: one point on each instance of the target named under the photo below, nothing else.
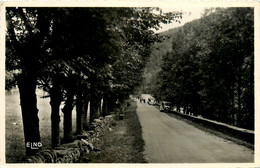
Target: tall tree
(103, 50)
(27, 43)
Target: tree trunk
(185, 109)
(102, 107)
(28, 101)
(85, 115)
(67, 110)
(105, 110)
(79, 110)
(56, 98)
(98, 106)
(94, 108)
(111, 104)
(178, 108)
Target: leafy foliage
(78, 53)
(208, 70)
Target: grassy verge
(122, 144)
(14, 137)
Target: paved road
(168, 140)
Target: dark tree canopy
(208, 68)
(77, 55)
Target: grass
(123, 144)
(14, 138)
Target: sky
(190, 14)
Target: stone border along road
(71, 152)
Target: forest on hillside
(206, 67)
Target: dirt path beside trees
(122, 144)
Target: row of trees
(77, 55)
(209, 68)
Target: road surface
(168, 140)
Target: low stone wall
(71, 152)
(240, 133)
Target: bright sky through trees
(189, 14)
